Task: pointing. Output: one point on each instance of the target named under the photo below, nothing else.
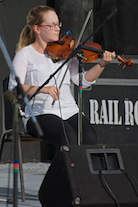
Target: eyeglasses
(51, 26)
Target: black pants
(52, 127)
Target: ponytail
(35, 17)
(27, 37)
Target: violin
(64, 47)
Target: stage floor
(33, 177)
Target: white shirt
(34, 69)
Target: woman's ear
(36, 29)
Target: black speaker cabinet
(93, 176)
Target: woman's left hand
(107, 57)
(96, 70)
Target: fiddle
(64, 47)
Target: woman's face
(49, 29)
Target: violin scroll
(125, 61)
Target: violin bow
(88, 16)
(78, 41)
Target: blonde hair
(34, 17)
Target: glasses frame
(51, 26)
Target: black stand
(15, 124)
(16, 162)
(80, 138)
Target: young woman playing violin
(34, 66)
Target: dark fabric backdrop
(120, 32)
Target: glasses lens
(53, 26)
